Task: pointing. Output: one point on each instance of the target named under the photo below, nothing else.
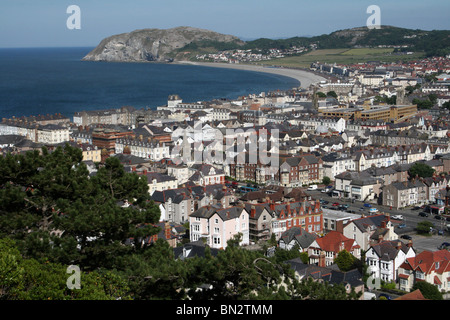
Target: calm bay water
(55, 80)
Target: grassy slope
(342, 56)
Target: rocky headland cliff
(160, 45)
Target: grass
(342, 56)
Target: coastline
(304, 77)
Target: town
(357, 163)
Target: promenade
(305, 78)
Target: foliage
(54, 210)
(29, 279)
(420, 169)
(326, 180)
(345, 261)
(428, 290)
(423, 227)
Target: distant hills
(183, 43)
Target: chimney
(253, 212)
(399, 245)
(410, 244)
(167, 230)
(322, 259)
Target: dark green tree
(420, 169)
(345, 261)
(428, 290)
(424, 227)
(326, 181)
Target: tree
(326, 180)
(30, 279)
(428, 290)
(420, 169)
(424, 227)
(332, 94)
(345, 261)
(56, 211)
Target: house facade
(218, 225)
(384, 259)
(325, 250)
(429, 266)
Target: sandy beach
(304, 77)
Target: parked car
(444, 245)
(373, 210)
(402, 225)
(406, 237)
(438, 217)
(336, 204)
(367, 205)
(397, 217)
(423, 214)
(385, 295)
(312, 187)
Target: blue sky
(42, 23)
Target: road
(410, 218)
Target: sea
(40, 81)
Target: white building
(384, 259)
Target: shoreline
(304, 77)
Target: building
(403, 194)
(286, 215)
(384, 258)
(144, 148)
(369, 230)
(360, 186)
(324, 250)
(379, 112)
(431, 267)
(218, 225)
(296, 237)
(260, 225)
(159, 182)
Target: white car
(397, 217)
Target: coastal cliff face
(152, 44)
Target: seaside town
(358, 162)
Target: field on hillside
(343, 56)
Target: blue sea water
(37, 81)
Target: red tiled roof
(333, 241)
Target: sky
(43, 23)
